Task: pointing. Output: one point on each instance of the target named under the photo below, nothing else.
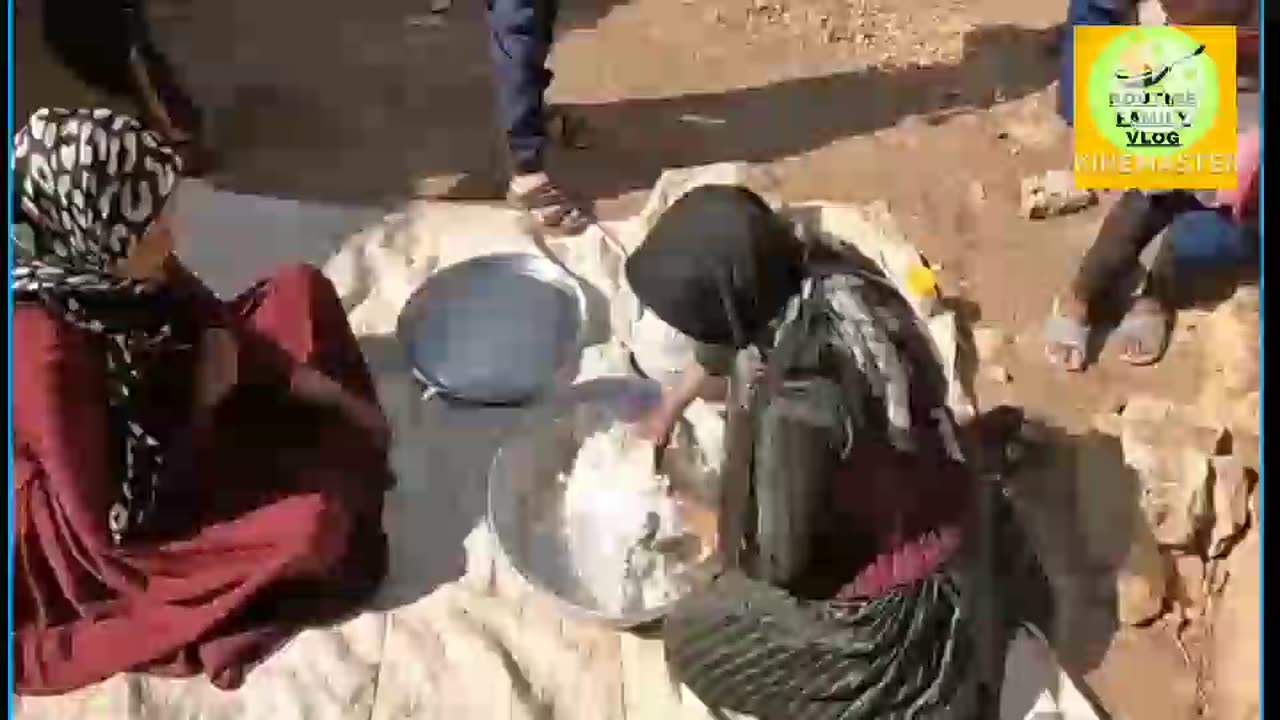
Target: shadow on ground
(440, 497)
(636, 139)
(386, 103)
(1079, 503)
(318, 100)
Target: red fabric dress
(271, 513)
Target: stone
(1141, 584)
(989, 342)
(1216, 570)
(1231, 338)
(1054, 193)
(999, 374)
(1145, 676)
(1230, 504)
(1241, 415)
(1169, 452)
(1181, 505)
(1188, 584)
(1035, 129)
(1255, 507)
(1235, 658)
(1234, 338)
(1109, 423)
(1246, 414)
(441, 6)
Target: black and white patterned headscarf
(87, 185)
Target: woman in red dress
(194, 480)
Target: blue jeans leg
(1207, 238)
(520, 36)
(1204, 253)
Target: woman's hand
(703, 522)
(217, 368)
(658, 424)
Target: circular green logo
(1153, 91)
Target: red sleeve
(60, 420)
(260, 361)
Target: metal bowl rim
(546, 270)
(621, 622)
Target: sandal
(552, 210)
(1066, 341)
(1144, 333)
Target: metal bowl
(524, 510)
(494, 330)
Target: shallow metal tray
(494, 330)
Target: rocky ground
(1146, 506)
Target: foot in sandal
(547, 205)
(1144, 332)
(1066, 335)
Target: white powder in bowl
(623, 531)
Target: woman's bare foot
(1144, 331)
(1067, 334)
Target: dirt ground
(938, 107)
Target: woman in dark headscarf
(193, 480)
(718, 266)
(848, 596)
(108, 45)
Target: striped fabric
(921, 648)
(752, 648)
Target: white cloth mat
(452, 634)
